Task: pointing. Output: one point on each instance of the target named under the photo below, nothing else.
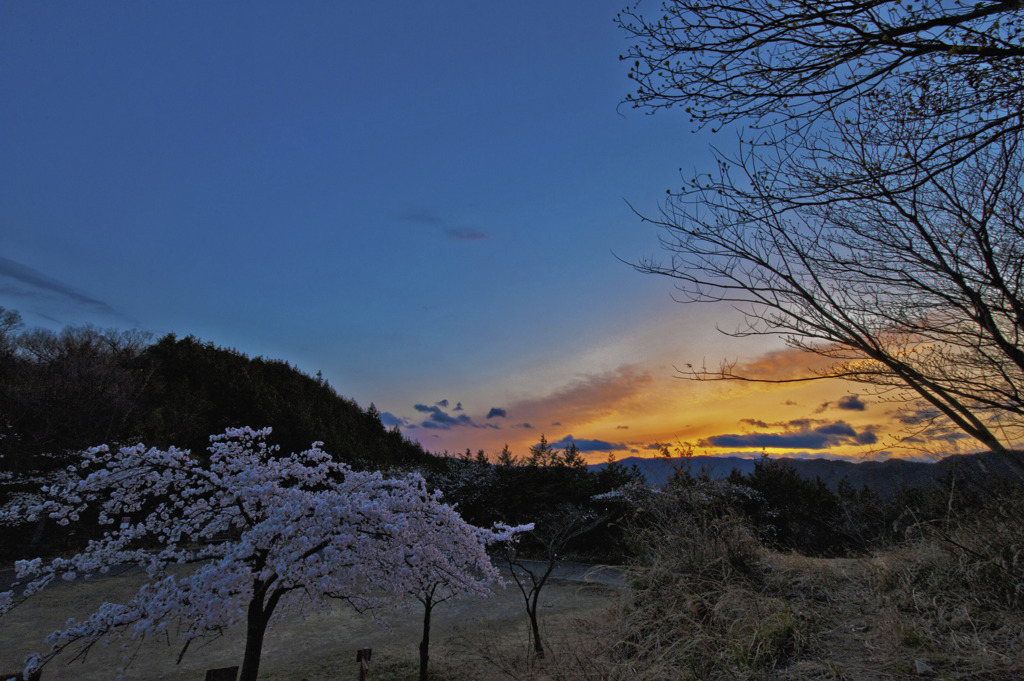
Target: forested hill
(63, 392)
(197, 389)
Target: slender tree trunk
(538, 647)
(425, 643)
(255, 628)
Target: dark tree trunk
(538, 647)
(425, 643)
(256, 627)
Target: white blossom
(268, 533)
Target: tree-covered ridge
(61, 392)
(197, 388)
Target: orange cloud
(786, 364)
(587, 399)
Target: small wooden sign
(363, 658)
(222, 674)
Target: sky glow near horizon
(429, 203)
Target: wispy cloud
(34, 287)
(421, 216)
(431, 219)
(781, 365)
(590, 397)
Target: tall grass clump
(955, 589)
(698, 607)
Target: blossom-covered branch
(270, 533)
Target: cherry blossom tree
(448, 561)
(553, 534)
(302, 531)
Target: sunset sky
(428, 202)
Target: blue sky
(424, 201)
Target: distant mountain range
(883, 477)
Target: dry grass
(705, 601)
(708, 602)
(701, 608)
(954, 595)
(804, 619)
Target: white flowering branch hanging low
(301, 532)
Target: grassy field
(469, 637)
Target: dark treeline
(787, 511)
(782, 509)
(577, 510)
